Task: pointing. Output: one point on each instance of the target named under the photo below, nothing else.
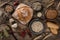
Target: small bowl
(33, 20)
(36, 6)
(8, 5)
(53, 17)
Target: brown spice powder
(51, 14)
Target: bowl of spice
(36, 26)
(51, 14)
(9, 8)
(36, 6)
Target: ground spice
(36, 6)
(8, 8)
(51, 14)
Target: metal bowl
(33, 20)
